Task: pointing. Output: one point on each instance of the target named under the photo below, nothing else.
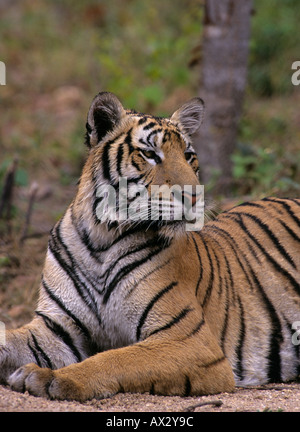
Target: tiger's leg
(46, 342)
(192, 366)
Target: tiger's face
(144, 169)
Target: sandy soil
(275, 398)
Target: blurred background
(153, 55)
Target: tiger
(149, 306)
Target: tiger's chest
(120, 280)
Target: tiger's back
(253, 262)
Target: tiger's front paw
(45, 382)
(32, 378)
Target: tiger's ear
(190, 115)
(104, 115)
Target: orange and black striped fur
(151, 307)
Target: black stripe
(275, 264)
(274, 372)
(217, 261)
(142, 120)
(95, 190)
(120, 159)
(196, 329)
(128, 141)
(235, 249)
(136, 165)
(154, 132)
(295, 201)
(271, 236)
(150, 243)
(96, 250)
(167, 136)
(145, 276)
(126, 270)
(149, 125)
(60, 332)
(231, 281)
(44, 356)
(150, 306)
(135, 179)
(229, 287)
(200, 266)
(152, 389)
(174, 321)
(289, 230)
(71, 272)
(54, 298)
(213, 363)
(240, 344)
(187, 386)
(225, 324)
(287, 207)
(253, 251)
(97, 201)
(251, 204)
(106, 161)
(56, 245)
(211, 276)
(35, 355)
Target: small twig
(32, 195)
(192, 408)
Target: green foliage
(274, 42)
(144, 48)
(262, 171)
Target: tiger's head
(142, 170)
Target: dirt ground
(269, 398)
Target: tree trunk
(224, 71)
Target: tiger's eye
(149, 154)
